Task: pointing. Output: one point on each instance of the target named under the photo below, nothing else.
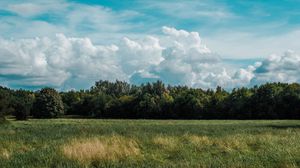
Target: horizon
(71, 44)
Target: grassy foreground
(149, 143)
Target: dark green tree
(122, 107)
(148, 106)
(289, 102)
(48, 104)
(5, 96)
(190, 104)
(166, 105)
(22, 104)
(265, 101)
(73, 100)
(155, 101)
(238, 104)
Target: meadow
(149, 143)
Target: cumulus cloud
(139, 55)
(57, 62)
(176, 57)
(278, 68)
(186, 61)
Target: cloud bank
(176, 57)
(278, 68)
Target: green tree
(48, 104)
(289, 102)
(166, 104)
(3, 106)
(22, 104)
(190, 104)
(122, 107)
(148, 106)
(115, 89)
(265, 101)
(238, 104)
(217, 103)
(4, 103)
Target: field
(149, 143)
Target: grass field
(149, 143)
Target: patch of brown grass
(4, 153)
(101, 149)
(8, 148)
(234, 143)
(226, 144)
(199, 140)
(166, 142)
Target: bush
(48, 104)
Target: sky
(70, 44)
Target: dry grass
(199, 140)
(5, 154)
(101, 149)
(238, 142)
(226, 144)
(7, 149)
(234, 143)
(166, 142)
(148, 143)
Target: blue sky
(243, 35)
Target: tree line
(154, 101)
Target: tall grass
(112, 148)
(149, 143)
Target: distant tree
(21, 111)
(289, 102)
(238, 104)
(156, 101)
(4, 103)
(166, 104)
(22, 104)
(72, 101)
(190, 104)
(48, 104)
(99, 105)
(148, 106)
(216, 104)
(115, 89)
(122, 107)
(265, 101)
(3, 106)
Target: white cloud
(278, 68)
(187, 61)
(176, 57)
(139, 55)
(57, 61)
(227, 32)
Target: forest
(121, 100)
